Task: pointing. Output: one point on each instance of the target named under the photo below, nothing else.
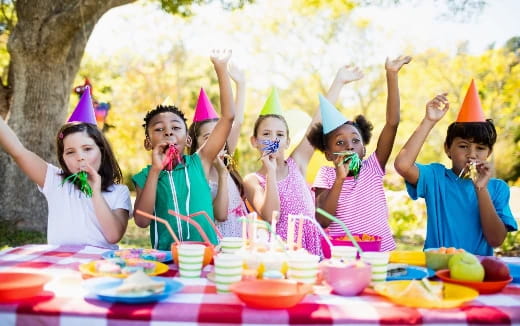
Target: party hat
(204, 110)
(272, 104)
(84, 111)
(471, 109)
(331, 118)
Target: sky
(147, 29)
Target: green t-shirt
(200, 200)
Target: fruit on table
(495, 269)
(466, 267)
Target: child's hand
(483, 174)
(220, 58)
(269, 161)
(94, 179)
(437, 107)
(342, 169)
(236, 73)
(218, 163)
(348, 73)
(396, 64)
(158, 155)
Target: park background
(140, 55)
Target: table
(64, 302)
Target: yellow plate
(454, 295)
(89, 269)
(416, 258)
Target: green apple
(466, 267)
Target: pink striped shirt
(362, 201)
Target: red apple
(495, 269)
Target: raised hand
(342, 168)
(394, 65)
(348, 73)
(483, 174)
(220, 57)
(236, 73)
(158, 155)
(437, 107)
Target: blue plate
(514, 271)
(110, 254)
(413, 273)
(102, 288)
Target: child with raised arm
(358, 200)
(466, 208)
(280, 184)
(224, 180)
(179, 183)
(86, 203)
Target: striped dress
(362, 202)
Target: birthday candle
(274, 220)
(290, 232)
(244, 230)
(300, 232)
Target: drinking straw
(210, 221)
(290, 231)
(274, 220)
(343, 226)
(244, 220)
(163, 221)
(318, 226)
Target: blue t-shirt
(452, 208)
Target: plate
(482, 287)
(89, 269)
(271, 294)
(416, 258)
(18, 286)
(454, 295)
(412, 273)
(104, 289)
(111, 254)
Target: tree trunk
(46, 47)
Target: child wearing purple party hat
(93, 208)
(280, 185)
(353, 189)
(224, 180)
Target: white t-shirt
(71, 219)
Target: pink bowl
(374, 245)
(346, 279)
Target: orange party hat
(471, 109)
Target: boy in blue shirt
(466, 208)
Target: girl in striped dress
(357, 200)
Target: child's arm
(145, 197)
(264, 201)
(221, 201)
(113, 222)
(405, 160)
(209, 151)
(303, 152)
(239, 78)
(493, 227)
(31, 164)
(385, 143)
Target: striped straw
(343, 226)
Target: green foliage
(511, 245)
(12, 237)
(183, 7)
(135, 237)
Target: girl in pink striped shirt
(359, 201)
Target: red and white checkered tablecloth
(65, 301)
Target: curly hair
(476, 132)
(319, 140)
(161, 109)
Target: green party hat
(272, 105)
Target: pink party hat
(331, 118)
(84, 111)
(471, 109)
(204, 110)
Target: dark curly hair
(319, 140)
(161, 109)
(476, 132)
(108, 170)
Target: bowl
(18, 286)
(485, 287)
(340, 240)
(270, 294)
(437, 258)
(346, 279)
(208, 252)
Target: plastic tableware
(339, 240)
(412, 273)
(485, 287)
(104, 289)
(18, 286)
(514, 270)
(89, 270)
(271, 294)
(416, 258)
(454, 295)
(346, 279)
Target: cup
(231, 244)
(379, 263)
(303, 268)
(190, 259)
(344, 253)
(228, 270)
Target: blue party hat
(331, 118)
